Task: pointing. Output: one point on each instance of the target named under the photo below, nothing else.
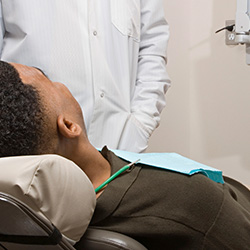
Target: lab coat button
(102, 95)
(94, 32)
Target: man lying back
(161, 209)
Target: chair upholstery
(96, 239)
(51, 185)
(23, 229)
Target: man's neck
(95, 166)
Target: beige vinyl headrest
(52, 186)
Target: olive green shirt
(167, 210)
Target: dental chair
(24, 223)
(22, 229)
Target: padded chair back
(22, 229)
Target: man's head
(37, 116)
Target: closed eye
(41, 72)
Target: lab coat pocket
(134, 137)
(125, 16)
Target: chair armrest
(96, 239)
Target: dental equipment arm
(242, 26)
(242, 21)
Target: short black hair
(21, 116)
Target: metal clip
(132, 165)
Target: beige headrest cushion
(52, 186)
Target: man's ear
(68, 128)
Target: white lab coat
(111, 54)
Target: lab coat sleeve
(152, 79)
(2, 30)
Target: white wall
(207, 117)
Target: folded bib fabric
(52, 186)
(172, 162)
